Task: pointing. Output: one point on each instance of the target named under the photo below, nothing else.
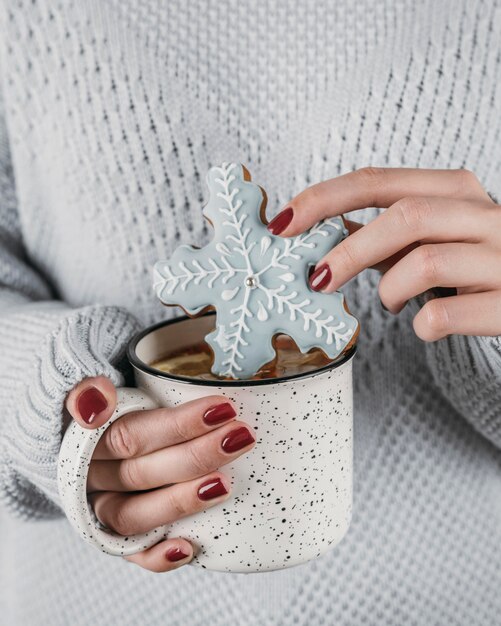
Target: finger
(467, 314)
(368, 187)
(92, 402)
(173, 464)
(385, 265)
(128, 514)
(406, 222)
(440, 265)
(142, 432)
(164, 556)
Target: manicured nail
(279, 223)
(211, 489)
(321, 277)
(90, 403)
(175, 554)
(237, 439)
(219, 413)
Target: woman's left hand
(440, 229)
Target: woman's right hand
(151, 468)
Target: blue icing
(257, 282)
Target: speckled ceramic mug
(291, 494)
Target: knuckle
(176, 505)
(374, 181)
(372, 177)
(466, 181)
(310, 197)
(346, 254)
(199, 459)
(119, 520)
(181, 429)
(429, 262)
(122, 442)
(413, 212)
(130, 475)
(436, 317)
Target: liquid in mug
(195, 361)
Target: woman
(111, 114)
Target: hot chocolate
(195, 361)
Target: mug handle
(73, 465)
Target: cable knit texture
(111, 114)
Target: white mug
(291, 495)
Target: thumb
(92, 402)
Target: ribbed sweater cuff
(467, 369)
(87, 342)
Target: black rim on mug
(141, 365)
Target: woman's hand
(441, 229)
(153, 467)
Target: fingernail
(211, 489)
(321, 277)
(175, 554)
(90, 403)
(237, 439)
(219, 413)
(279, 223)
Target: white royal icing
(264, 276)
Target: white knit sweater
(111, 114)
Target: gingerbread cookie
(256, 281)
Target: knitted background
(111, 113)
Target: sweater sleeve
(467, 370)
(46, 348)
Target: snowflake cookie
(257, 282)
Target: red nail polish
(90, 403)
(279, 223)
(237, 439)
(321, 277)
(219, 413)
(211, 489)
(175, 554)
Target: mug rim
(136, 362)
